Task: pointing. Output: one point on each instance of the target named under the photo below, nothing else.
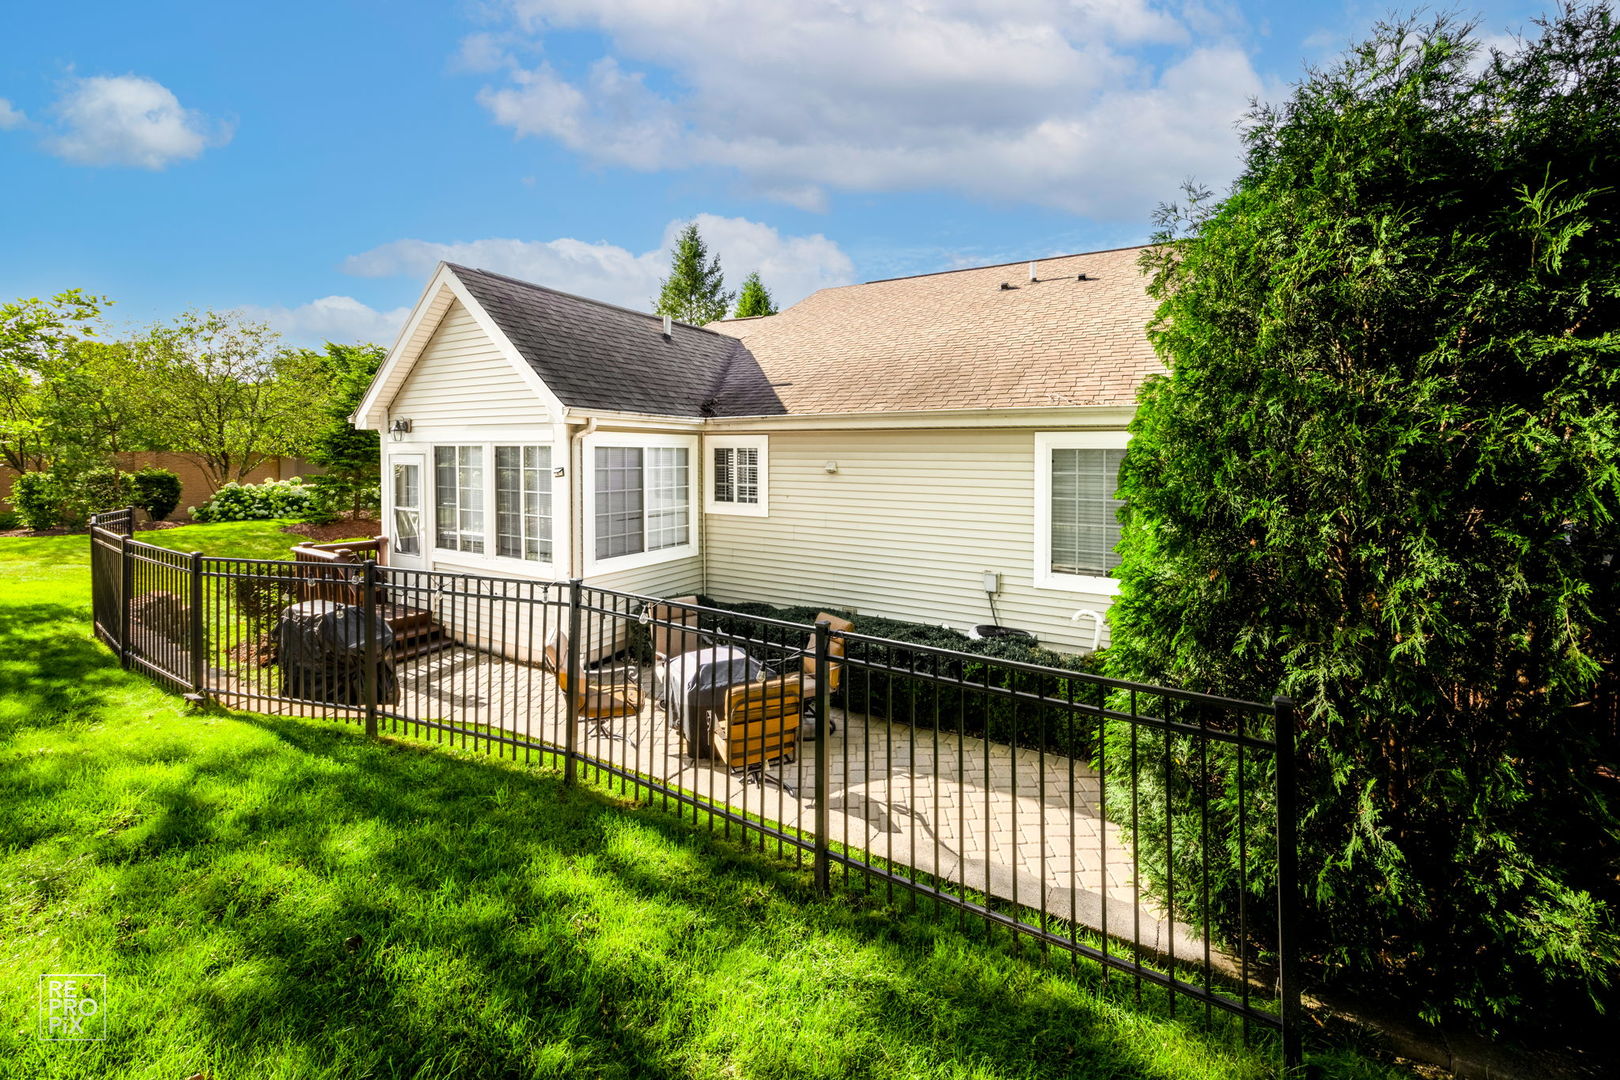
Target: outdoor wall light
(559, 472)
(399, 428)
(831, 466)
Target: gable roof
(958, 340)
(955, 340)
(594, 355)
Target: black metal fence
(1145, 829)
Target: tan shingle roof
(957, 340)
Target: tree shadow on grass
(396, 909)
(50, 669)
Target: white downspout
(576, 497)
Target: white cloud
(129, 120)
(1100, 108)
(10, 116)
(342, 319)
(792, 267)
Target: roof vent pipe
(1032, 276)
(669, 327)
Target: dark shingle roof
(598, 356)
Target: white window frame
(641, 441)
(1045, 443)
(761, 443)
(488, 441)
(485, 488)
(547, 472)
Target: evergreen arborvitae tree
(352, 456)
(1383, 477)
(754, 300)
(694, 292)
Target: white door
(405, 503)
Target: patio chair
(759, 727)
(834, 674)
(674, 626)
(600, 701)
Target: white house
(879, 447)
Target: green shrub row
(57, 499)
(973, 691)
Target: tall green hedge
(1383, 476)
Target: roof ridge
(462, 268)
(993, 266)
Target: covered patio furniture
(599, 698)
(695, 684)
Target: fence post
(126, 574)
(368, 679)
(199, 692)
(1288, 887)
(571, 663)
(823, 734)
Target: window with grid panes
(1085, 514)
(523, 502)
(458, 498)
(643, 499)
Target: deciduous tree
(222, 391)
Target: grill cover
(322, 648)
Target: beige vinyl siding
(904, 529)
(679, 577)
(463, 381)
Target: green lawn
(275, 897)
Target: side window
(458, 498)
(737, 472)
(1077, 523)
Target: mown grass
(273, 897)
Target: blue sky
(309, 162)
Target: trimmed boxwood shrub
(955, 693)
(258, 502)
(157, 491)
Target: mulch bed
(338, 530)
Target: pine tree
(755, 299)
(694, 292)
